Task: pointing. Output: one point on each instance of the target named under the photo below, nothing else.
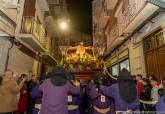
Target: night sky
(80, 14)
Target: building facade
(133, 33)
(25, 46)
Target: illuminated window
(160, 39)
(125, 64)
(115, 70)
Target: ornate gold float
(81, 61)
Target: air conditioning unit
(10, 3)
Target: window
(160, 39)
(124, 64)
(149, 44)
(115, 70)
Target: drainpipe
(8, 51)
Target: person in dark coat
(160, 106)
(30, 85)
(146, 95)
(36, 94)
(55, 90)
(124, 93)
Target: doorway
(154, 50)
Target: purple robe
(99, 100)
(160, 106)
(54, 99)
(36, 94)
(75, 101)
(89, 86)
(88, 89)
(120, 104)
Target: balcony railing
(114, 33)
(31, 26)
(125, 17)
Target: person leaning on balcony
(8, 93)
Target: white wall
(10, 12)
(136, 56)
(4, 46)
(20, 62)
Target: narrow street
(81, 46)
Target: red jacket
(22, 104)
(139, 88)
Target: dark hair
(162, 90)
(23, 75)
(154, 79)
(133, 76)
(146, 80)
(1, 80)
(152, 76)
(139, 75)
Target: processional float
(82, 61)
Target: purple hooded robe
(160, 106)
(54, 99)
(99, 100)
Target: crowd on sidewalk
(59, 92)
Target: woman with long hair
(22, 103)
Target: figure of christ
(80, 49)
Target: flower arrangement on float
(75, 62)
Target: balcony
(7, 25)
(43, 5)
(134, 15)
(128, 21)
(33, 35)
(104, 17)
(142, 13)
(110, 4)
(112, 36)
(50, 54)
(10, 3)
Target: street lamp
(63, 25)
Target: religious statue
(80, 49)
